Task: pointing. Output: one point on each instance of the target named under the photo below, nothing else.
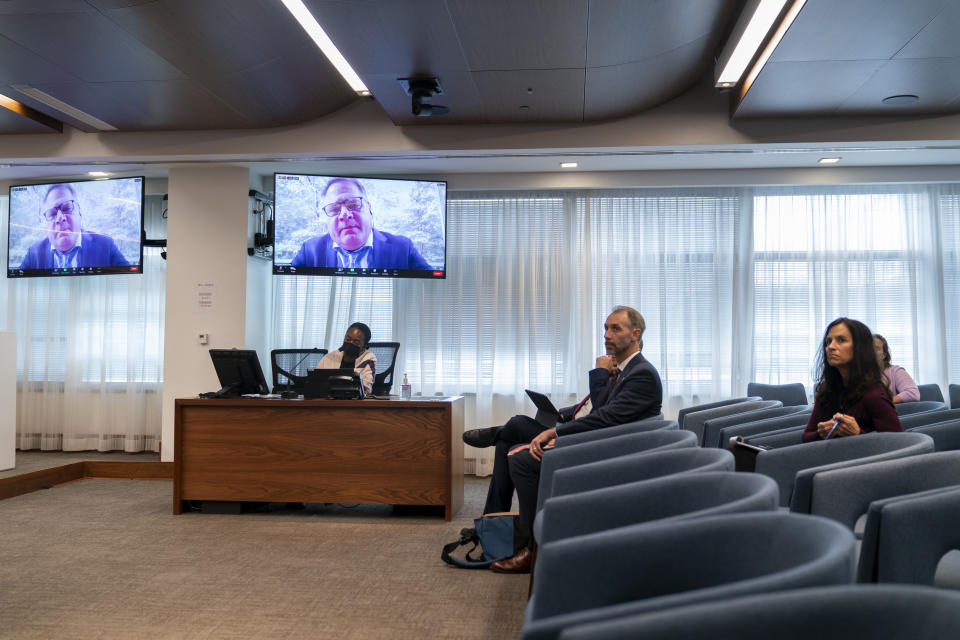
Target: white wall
(206, 244)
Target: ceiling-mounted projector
(421, 90)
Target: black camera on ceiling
(421, 91)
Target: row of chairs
(796, 394)
(290, 366)
(624, 513)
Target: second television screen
(337, 225)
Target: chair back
(930, 392)
(913, 420)
(824, 613)
(674, 497)
(290, 366)
(791, 395)
(766, 425)
(649, 424)
(604, 449)
(386, 353)
(648, 568)
(712, 427)
(921, 406)
(637, 466)
(708, 405)
(954, 391)
(946, 435)
(694, 421)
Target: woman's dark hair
(364, 329)
(886, 349)
(864, 374)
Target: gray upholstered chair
(877, 612)
(652, 567)
(913, 420)
(650, 424)
(766, 425)
(681, 415)
(712, 427)
(694, 421)
(795, 467)
(954, 390)
(930, 392)
(786, 437)
(791, 395)
(635, 467)
(921, 406)
(946, 435)
(602, 450)
(845, 494)
(673, 497)
(905, 537)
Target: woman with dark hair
(850, 397)
(898, 381)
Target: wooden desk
(356, 451)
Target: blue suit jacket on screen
(637, 394)
(96, 250)
(389, 252)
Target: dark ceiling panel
(805, 88)
(12, 7)
(87, 45)
(854, 29)
(142, 106)
(624, 31)
(557, 95)
(382, 37)
(936, 82)
(624, 89)
(20, 66)
(535, 34)
(939, 38)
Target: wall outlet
(204, 338)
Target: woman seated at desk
(354, 355)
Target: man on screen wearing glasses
(351, 242)
(67, 245)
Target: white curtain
(866, 252)
(90, 356)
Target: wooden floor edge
(47, 478)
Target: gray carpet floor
(107, 559)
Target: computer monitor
(239, 372)
(335, 384)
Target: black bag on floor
(496, 536)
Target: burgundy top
(873, 412)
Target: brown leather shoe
(519, 563)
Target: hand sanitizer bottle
(405, 388)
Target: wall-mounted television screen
(87, 227)
(338, 225)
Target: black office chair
(386, 353)
(290, 367)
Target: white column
(8, 399)
(206, 279)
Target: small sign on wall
(206, 298)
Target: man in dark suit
(624, 387)
(351, 241)
(66, 244)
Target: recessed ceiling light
(749, 40)
(98, 174)
(906, 98)
(828, 160)
(322, 40)
(568, 165)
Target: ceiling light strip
(322, 40)
(66, 109)
(781, 31)
(750, 41)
